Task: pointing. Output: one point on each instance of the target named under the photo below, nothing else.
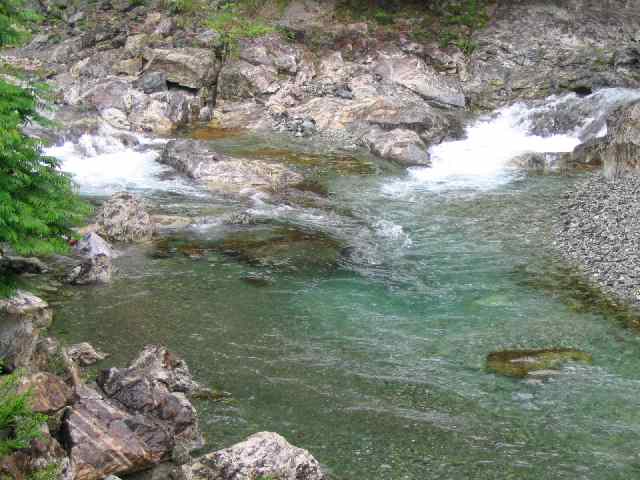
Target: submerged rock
(123, 218)
(263, 455)
(22, 317)
(520, 363)
(220, 172)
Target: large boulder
(219, 172)
(263, 455)
(123, 218)
(139, 418)
(22, 317)
(399, 145)
(97, 263)
(188, 67)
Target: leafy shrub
(18, 423)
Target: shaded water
(374, 358)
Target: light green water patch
(378, 366)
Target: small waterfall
(483, 158)
(102, 164)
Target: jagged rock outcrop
(123, 218)
(22, 317)
(139, 418)
(531, 49)
(618, 152)
(263, 455)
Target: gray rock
(138, 420)
(223, 173)
(152, 82)
(188, 67)
(402, 146)
(97, 263)
(84, 354)
(262, 455)
(22, 317)
(123, 218)
(20, 265)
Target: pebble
(599, 231)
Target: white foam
(102, 165)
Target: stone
(84, 354)
(164, 111)
(97, 263)
(21, 265)
(47, 392)
(187, 67)
(152, 82)
(44, 454)
(123, 218)
(262, 455)
(520, 363)
(136, 44)
(139, 418)
(130, 66)
(402, 146)
(220, 172)
(414, 74)
(22, 317)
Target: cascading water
(377, 364)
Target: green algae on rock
(520, 363)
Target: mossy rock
(286, 247)
(520, 363)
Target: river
(374, 358)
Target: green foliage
(51, 472)
(18, 423)
(14, 18)
(462, 20)
(38, 203)
(180, 6)
(234, 22)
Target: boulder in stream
(123, 218)
(97, 263)
(263, 455)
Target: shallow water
(376, 362)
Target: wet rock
(97, 265)
(263, 455)
(284, 248)
(520, 363)
(164, 111)
(402, 146)
(48, 393)
(84, 354)
(219, 172)
(20, 265)
(123, 218)
(22, 317)
(187, 67)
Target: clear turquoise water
(377, 365)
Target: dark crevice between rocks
(176, 86)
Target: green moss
(519, 363)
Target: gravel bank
(599, 231)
